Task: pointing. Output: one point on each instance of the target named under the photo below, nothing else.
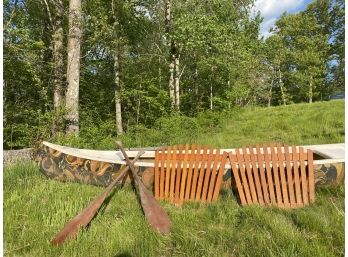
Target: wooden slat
(167, 171)
(184, 174)
(233, 162)
(207, 175)
(296, 178)
(219, 176)
(198, 159)
(283, 177)
(276, 176)
(173, 174)
(178, 176)
(289, 177)
(213, 176)
(243, 176)
(190, 171)
(156, 174)
(250, 177)
(161, 196)
(269, 175)
(303, 177)
(262, 175)
(255, 172)
(201, 175)
(311, 177)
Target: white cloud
(271, 10)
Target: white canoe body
(101, 167)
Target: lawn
(35, 208)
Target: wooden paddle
(71, 229)
(154, 213)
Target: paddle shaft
(154, 213)
(85, 216)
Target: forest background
(90, 71)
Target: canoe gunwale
(149, 155)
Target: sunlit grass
(36, 208)
(300, 124)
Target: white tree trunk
(270, 94)
(310, 93)
(177, 83)
(171, 46)
(116, 54)
(117, 95)
(171, 81)
(58, 56)
(73, 69)
(281, 87)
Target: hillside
(301, 124)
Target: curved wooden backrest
(274, 175)
(184, 173)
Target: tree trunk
(172, 52)
(228, 96)
(211, 96)
(177, 82)
(58, 56)
(171, 81)
(270, 94)
(211, 88)
(281, 87)
(73, 69)
(310, 93)
(117, 94)
(116, 54)
(56, 24)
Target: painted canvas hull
(100, 168)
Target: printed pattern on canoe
(275, 177)
(67, 168)
(329, 174)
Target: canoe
(100, 168)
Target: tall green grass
(300, 124)
(35, 209)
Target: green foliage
(300, 124)
(223, 64)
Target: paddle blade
(81, 220)
(154, 213)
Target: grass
(300, 124)
(35, 208)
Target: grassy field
(300, 124)
(36, 208)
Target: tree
(73, 67)
(276, 59)
(307, 46)
(55, 14)
(116, 56)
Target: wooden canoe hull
(65, 167)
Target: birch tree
(55, 14)
(73, 67)
(116, 53)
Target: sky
(271, 10)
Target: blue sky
(271, 10)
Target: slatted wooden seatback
(274, 176)
(184, 173)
